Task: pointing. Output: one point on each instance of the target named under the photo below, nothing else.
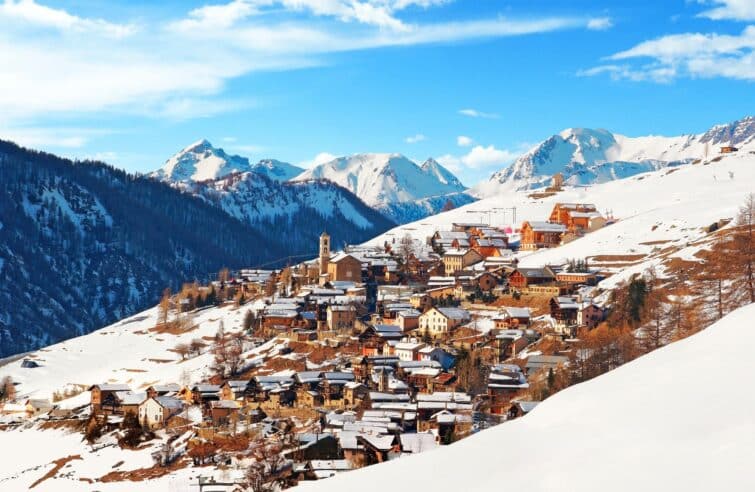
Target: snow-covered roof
(546, 226)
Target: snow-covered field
(129, 352)
(679, 418)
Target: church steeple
(324, 252)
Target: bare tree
(164, 307)
(8, 389)
(197, 345)
(182, 349)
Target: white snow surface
(679, 418)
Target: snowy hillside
(586, 156)
(201, 161)
(277, 170)
(662, 422)
(387, 181)
(654, 212)
(132, 352)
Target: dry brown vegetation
(59, 463)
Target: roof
(537, 272)
(206, 388)
(166, 388)
(341, 257)
(169, 402)
(517, 312)
(408, 346)
(454, 313)
(382, 443)
(566, 302)
(417, 443)
(546, 226)
(227, 404)
(110, 387)
(131, 398)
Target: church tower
(324, 252)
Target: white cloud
(473, 113)
(688, 54)
(415, 138)
(741, 10)
(30, 12)
(320, 158)
(479, 157)
(179, 69)
(463, 141)
(50, 138)
(600, 23)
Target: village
(379, 352)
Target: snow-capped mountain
(277, 170)
(297, 211)
(392, 183)
(443, 175)
(587, 156)
(201, 161)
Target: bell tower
(324, 252)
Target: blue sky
(470, 82)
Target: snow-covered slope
(277, 170)
(130, 352)
(586, 156)
(201, 161)
(679, 418)
(388, 181)
(653, 211)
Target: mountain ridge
(585, 156)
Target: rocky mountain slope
(587, 156)
(296, 211)
(393, 184)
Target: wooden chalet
(537, 235)
(524, 277)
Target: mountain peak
(200, 161)
(277, 170)
(382, 179)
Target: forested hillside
(83, 244)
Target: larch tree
(8, 389)
(743, 258)
(164, 307)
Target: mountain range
(585, 156)
(392, 184)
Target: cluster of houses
(407, 318)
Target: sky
(472, 83)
